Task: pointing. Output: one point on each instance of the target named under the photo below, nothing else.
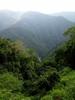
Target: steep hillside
(38, 31)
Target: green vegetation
(23, 76)
(65, 89)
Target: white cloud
(45, 6)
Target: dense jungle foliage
(25, 76)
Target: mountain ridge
(68, 15)
(39, 31)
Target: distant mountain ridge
(68, 15)
(38, 31)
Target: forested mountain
(23, 75)
(38, 31)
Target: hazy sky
(44, 6)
